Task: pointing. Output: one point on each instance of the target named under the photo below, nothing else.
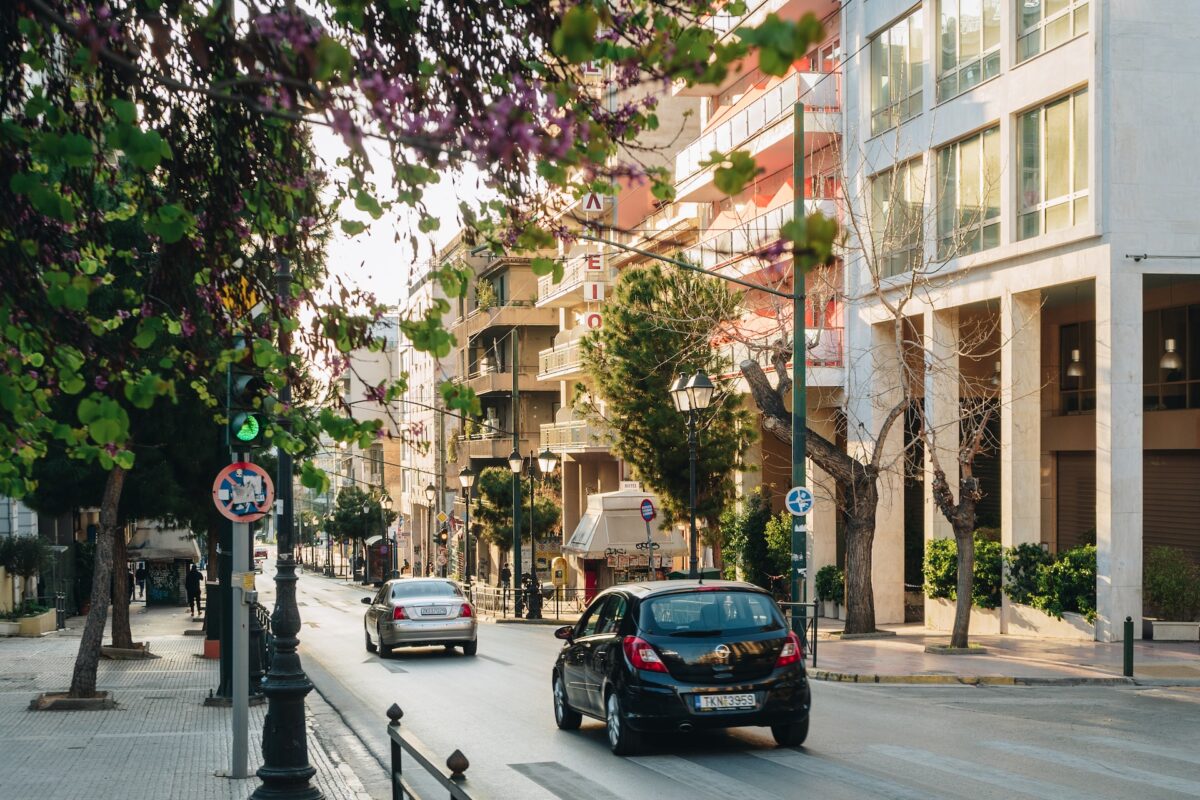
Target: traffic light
(443, 536)
(247, 403)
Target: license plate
(714, 702)
(433, 612)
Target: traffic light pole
(518, 597)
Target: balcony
(561, 362)
(765, 129)
(736, 243)
(493, 447)
(824, 356)
(513, 314)
(670, 225)
(578, 271)
(726, 24)
(575, 436)
(499, 381)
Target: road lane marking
(1085, 764)
(500, 661)
(1143, 748)
(708, 781)
(980, 772)
(563, 782)
(819, 767)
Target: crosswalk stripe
(700, 778)
(1107, 769)
(820, 767)
(970, 770)
(1143, 748)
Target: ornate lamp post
(691, 396)
(386, 504)
(430, 493)
(546, 462)
(466, 477)
(516, 463)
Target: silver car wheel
(559, 701)
(613, 708)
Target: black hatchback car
(682, 656)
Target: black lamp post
(515, 464)
(546, 462)
(691, 396)
(466, 477)
(430, 493)
(386, 504)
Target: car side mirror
(566, 632)
(366, 601)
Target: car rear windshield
(425, 589)
(710, 612)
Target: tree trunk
(965, 541)
(860, 538)
(83, 679)
(121, 635)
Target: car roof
(644, 589)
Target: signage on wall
(593, 320)
(593, 291)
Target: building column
(1119, 455)
(887, 555)
(1020, 425)
(942, 413)
(822, 522)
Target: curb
(964, 680)
(514, 621)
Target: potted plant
(830, 586)
(1172, 587)
(24, 557)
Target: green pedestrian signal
(248, 404)
(245, 427)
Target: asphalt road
(910, 742)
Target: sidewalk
(1008, 660)
(161, 741)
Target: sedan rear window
(425, 589)
(709, 613)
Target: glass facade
(1052, 154)
(1045, 24)
(897, 219)
(897, 73)
(968, 213)
(969, 45)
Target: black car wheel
(792, 735)
(470, 647)
(370, 644)
(385, 651)
(567, 718)
(622, 739)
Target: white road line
(1142, 747)
(1105, 768)
(819, 767)
(1009, 781)
(708, 781)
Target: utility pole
(799, 572)
(285, 772)
(518, 598)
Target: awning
(613, 521)
(153, 542)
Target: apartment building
(1044, 149)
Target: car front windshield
(710, 613)
(418, 589)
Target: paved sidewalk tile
(160, 742)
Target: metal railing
(810, 625)
(575, 273)
(575, 434)
(267, 645)
(451, 778)
(561, 357)
(558, 602)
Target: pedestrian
(192, 583)
(505, 575)
(129, 582)
(140, 575)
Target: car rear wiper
(712, 632)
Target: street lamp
(430, 493)
(466, 477)
(386, 505)
(515, 465)
(692, 395)
(546, 462)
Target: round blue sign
(647, 510)
(799, 501)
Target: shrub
(830, 584)
(941, 570)
(1068, 584)
(1024, 562)
(1172, 584)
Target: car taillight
(398, 613)
(465, 611)
(642, 655)
(792, 651)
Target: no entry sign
(243, 492)
(647, 510)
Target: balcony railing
(564, 358)
(749, 236)
(574, 435)
(824, 350)
(575, 273)
(819, 90)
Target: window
(614, 615)
(968, 214)
(1044, 24)
(897, 218)
(1171, 388)
(1052, 151)
(897, 64)
(970, 45)
(1077, 353)
(718, 612)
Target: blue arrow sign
(799, 501)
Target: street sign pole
(799, 374)
(241, 656)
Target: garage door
(1171, 500)
(1076, 495)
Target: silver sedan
(419, 612)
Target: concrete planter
(841, 612)
(939, 615)
(829, 609)
(1026, 620)
(38, 626)
(9, 628)
(1176, 631)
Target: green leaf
(575, 39)
(737, 170)
(367, 202)
(124, 459)
(313, 478)
(542, 265)
(352, 227)
(147, 331)
(428, 224)
(106, 421)
(124, 109)
(333, 59)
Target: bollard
(1128, 671)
